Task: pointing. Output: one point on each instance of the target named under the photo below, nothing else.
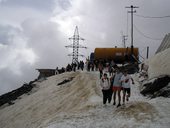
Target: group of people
(117, 83)
(75, 66)
(96, 65)
(113, 80)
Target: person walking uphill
(100, 66)
(105, 84)
(125, 79)
(117, 87)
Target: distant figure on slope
(144, 70)
(74, 65)
(88, 66)
(125, 79)
(105, 84)
(82, 65)
(69, 68)
(100, 67)
(92, 66)
(56, 71)
(117, 87)
(111, 69)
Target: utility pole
(132, 11)
(75, 38)
(147, 54)
(124, 38)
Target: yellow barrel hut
(119, 55)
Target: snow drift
(78, 103)
(49, 99)
(159, 64)
(158, 80)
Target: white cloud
(15, 52)
(16, 57)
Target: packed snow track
(78, 104)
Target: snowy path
(78, 104)
(138, 113)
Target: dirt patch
(66, 81)
(140, 111)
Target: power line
(145, 34)
(168, 16)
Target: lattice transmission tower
(75, 39)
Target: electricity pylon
(75, 38)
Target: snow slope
(159, 64)
(79, 104)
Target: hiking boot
(118, 105)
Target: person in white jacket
(105, 84)
(125, 79)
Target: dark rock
(155, 88)
(13, 95)
(10, 103)
(165, 92)
(66, 81)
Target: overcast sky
(33, 33)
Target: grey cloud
(7, 33)
(47, 42)
(64, 4)
(35, 4)
(10, 81)
(14, 54)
